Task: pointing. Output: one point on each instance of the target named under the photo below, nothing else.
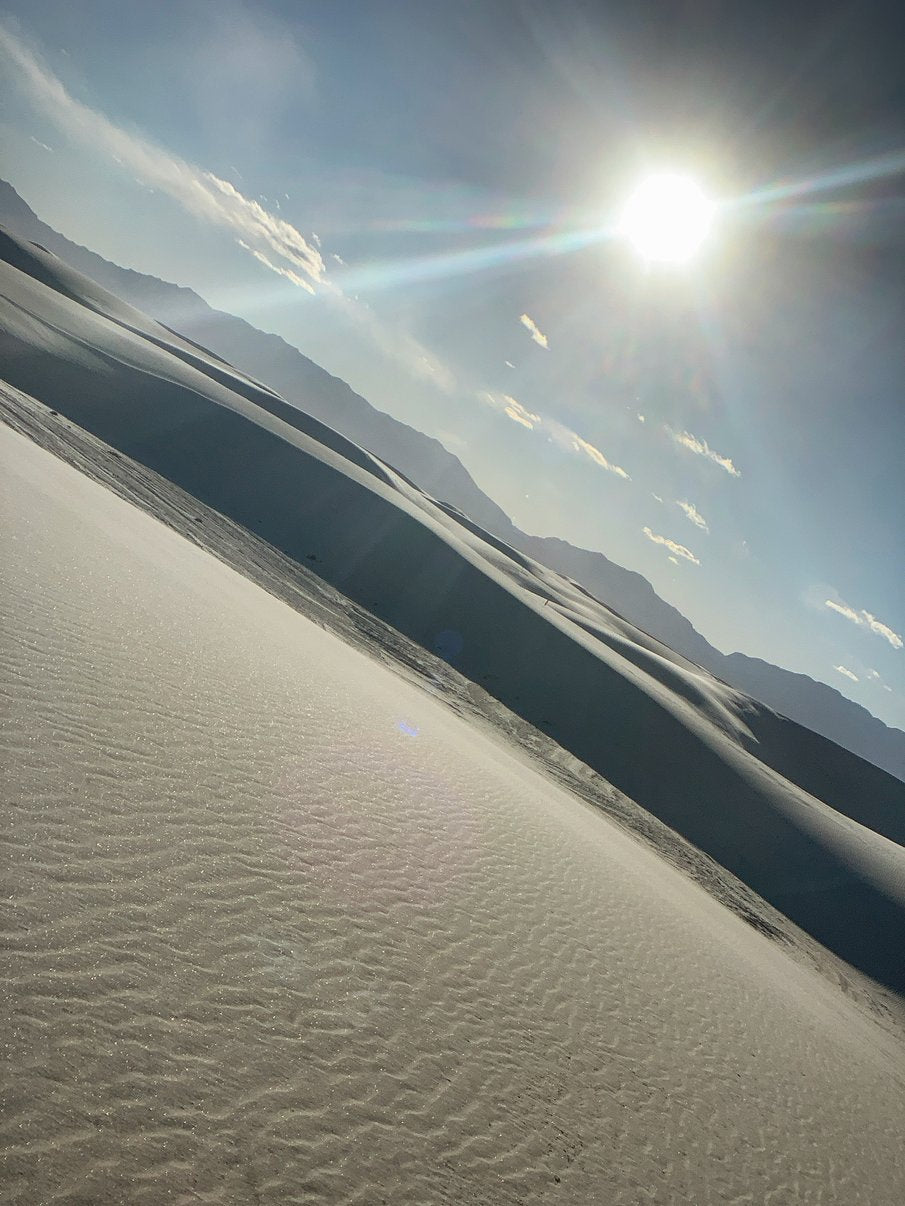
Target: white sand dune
(279, 927)
(813, 829)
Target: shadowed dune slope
(425, 461)
(812, 828)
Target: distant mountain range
(427, 463)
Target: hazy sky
(424, 198)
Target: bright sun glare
(667, 219)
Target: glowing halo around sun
(667, 219)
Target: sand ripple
(279, 928)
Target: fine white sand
(811, 828)
(279, 927)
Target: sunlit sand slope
(813, 829)
(281, 928)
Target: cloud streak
(701, 448)
(534, 330)
(273, 242)
(511, 407)
(848, 673)
(519, 413)
(694, 515)
(875, 677)
(270, 239)
(864, 619)
(268, 263)
(567, 439)
(594, 454)
(679, 550)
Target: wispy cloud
(510, 407)
(673, 545)
(693, 514)
(391, 341)
(519, 413)
(580, 445)
(42, 145)
(864, 619)
(844, 610)
(875, 677)
(268, 263)
(508, 364)
(848, 673)
(273, 242)
(565, 437)
(339, 259)
(701, 448)
(534, 330)
(268, 237)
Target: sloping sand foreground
(811, 828)
(279, 927)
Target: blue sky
(423, 197)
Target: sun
(667, 219)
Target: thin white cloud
(272, 241)
(199, 192)
(674, 560)
(701, 448)
(42, 145)
(864, 619)
(339, 259)
(512, 408)
(534, 330)
(642, 419)
(673, 545)
(693, 514)
(287, 272)
(844, 610)
(508, 364)
(597, 456)
(848, 673)
(520, 414)
(657, 497)
(280, 236)
(883, 630)
(393, 342)
(316, 239)
(571, 441)
(875, 677)
(565, 437)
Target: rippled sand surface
(279, 927)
